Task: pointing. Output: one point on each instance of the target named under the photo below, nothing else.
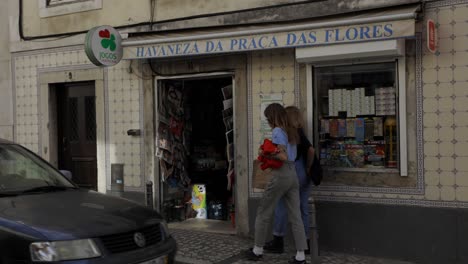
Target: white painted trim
(401, 64)
(67, 8)
(310, 102)
(157, 190)
(393, 48)
(157, 173)
(100, 87)
(401, 78)
(193, 76)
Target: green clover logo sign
(108, 40)
(103, 46)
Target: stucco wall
(6, 107)
(272, 73)
(445, 78)
(113, 12)
(122, 92)
(276, 72)
(440, 97)
(177, 14)
(124, 12)
(186, 8)
(437, 104)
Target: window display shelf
(356, 118)
(367, 169)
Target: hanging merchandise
(164, 139)
(164, 155)
(176, 127)
(195, 146)
(227, 92)
(166, 170)
(173, 183)
(228, 119)
(174, 97)
(230, 177)
(162, 100)
(170, 135)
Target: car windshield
(21, 171)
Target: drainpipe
(314, 249)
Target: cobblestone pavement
(207, 248)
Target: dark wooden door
(77, 132)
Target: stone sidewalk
(207, 248)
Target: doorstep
(205, 225)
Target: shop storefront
(382, 85)
(358, 107)
(348, 75)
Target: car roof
(4, 141)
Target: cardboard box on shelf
(350, 126)
(324, 126)
(342, 128)
(359, 128)
(378, 126)
(333, 128)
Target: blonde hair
(295, 117)
(277, 117)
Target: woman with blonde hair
(281, 214)
(282, 185)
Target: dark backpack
(316, 173)
(312, 163)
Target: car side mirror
(67, 174)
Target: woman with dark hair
(281, 215)
(282, 185)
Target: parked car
(45, 217)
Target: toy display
(199, 200)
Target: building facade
(387, 114)
(6, 106)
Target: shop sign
(302, 38)
(431, 36)
(103, 46)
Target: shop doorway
(76, 130)
(195, 147)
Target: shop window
(357, 116)
(49, 8)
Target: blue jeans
(281, 214)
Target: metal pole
(314, 250)
(149, 194)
